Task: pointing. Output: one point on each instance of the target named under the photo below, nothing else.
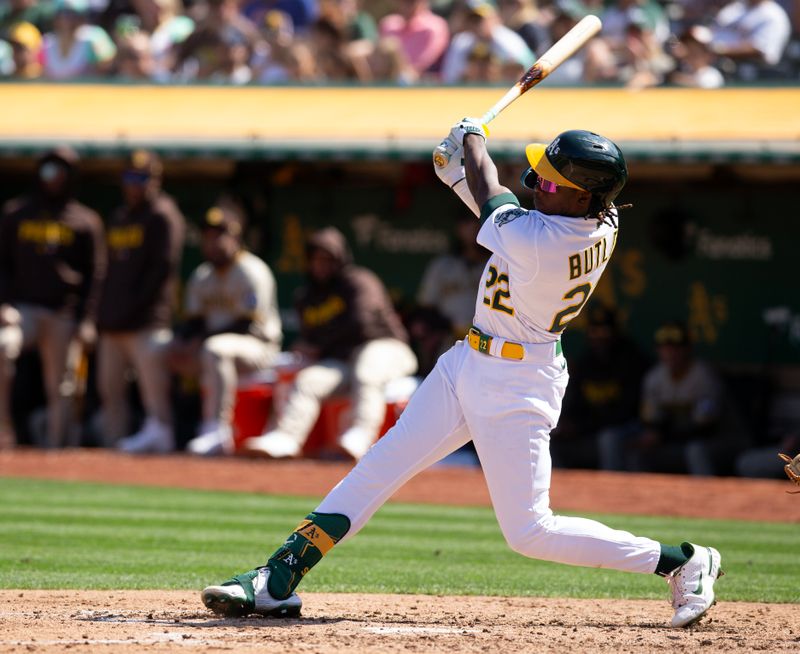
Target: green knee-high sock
(304, 548)
(672, 557)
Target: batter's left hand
(467, 126)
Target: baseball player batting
(502, 385)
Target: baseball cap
(26, 35)
(481, 51)
(223, 219)
(142, 165)
(482, 8)
(71, 6)
(672, 333)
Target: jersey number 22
(498, 299)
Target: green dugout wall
(719, 252)
(715, 180)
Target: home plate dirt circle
(174, 621)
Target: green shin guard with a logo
(308, 543)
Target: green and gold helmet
(582, 160)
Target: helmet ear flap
(529, 178)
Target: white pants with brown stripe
(507, 408)
(222, 359)
(53, 334)
(371, 367)
(144, 352)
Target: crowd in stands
(643, 43)
(77, 287)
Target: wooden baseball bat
(558, 53)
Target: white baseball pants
(507, 408)
(223, 358)
(371, 367)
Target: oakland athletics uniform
(502, 386)
(540, 274)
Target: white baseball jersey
(246, 289)
(542, 270)
(541, 273)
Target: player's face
(219, 247)
(135, 187)
(53, 177)
(552, 199)
(321, 265)
(675, 357)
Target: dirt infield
(157, 621)
(169, 622)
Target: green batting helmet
(582, 160)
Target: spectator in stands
(301, 12)
(630, 48)
(483, 66)
(172, 28)
(449, 281)
(752, 33)
(694, 60)
(424, 35)
(642, 60)
(26, 44)
(215, 54)
(329, 47)
(682, 402)
(384, 61)
(134, 60)
(221, 46)
(359, 35)
(603, 395)
(291, 61)
(351, 336)
(483, 24)
(140, 14)
(686, 13)
(590, 63)
(649, 15)
(145, 240)
(232, 326)
(357, 25)
(39, 14)
(271, 59)
(52, 262)
(75, 48)
(524, 18)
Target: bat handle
(441, 158)
(488, 117)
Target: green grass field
(63, 535)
